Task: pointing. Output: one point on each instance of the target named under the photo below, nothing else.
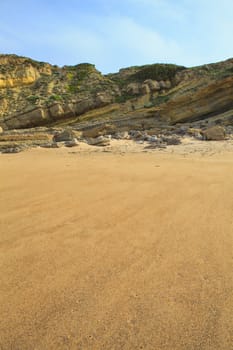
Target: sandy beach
(102, 250)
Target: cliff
(36, 93)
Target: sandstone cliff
(36, 93)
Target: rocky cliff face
(36, 93)
(201, 93)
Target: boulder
(155, 145)
(66, 135)
(99, 141)
(152, 138)
(49, 145)
(229, 130)
(194, 131)
(215, 133)
(136, 134)
(170, 141)
(1, 130)
(13, 149)
(72, 143)
(122, 135)
(153, 131)
(93, 132)
(181, 130)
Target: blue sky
(118, 33)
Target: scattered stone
(229, 130)
(136, 134)
(123, 135)
(93, 132)
(66, 135)
(198, 136)
(152, 138)
(11, 150)
(72, 143)
(132, 132)
(170, 141)
(182, 130)
(215, 133)
(154, 131)
(49, 145)
(193, 131)
(156, 146)
(99, 141)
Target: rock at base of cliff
(11, 149)
(99, 141)
(49, 145)
(93, 132)
(171, 141)
(121, 135)
(64, 136)
(72, 143)
(215, 133)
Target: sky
(113, 34)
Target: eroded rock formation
(36, 93)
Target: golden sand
(109, 251)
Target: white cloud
(166, 9)
(125, 32)
(140, 42)
(110, 43)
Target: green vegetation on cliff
(36, 93)
(156, 72)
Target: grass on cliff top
(156, 72)
(80, 71)
(76, 75)
(136, 74)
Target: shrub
(32, 98)
(156, 72)
(55, 98)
